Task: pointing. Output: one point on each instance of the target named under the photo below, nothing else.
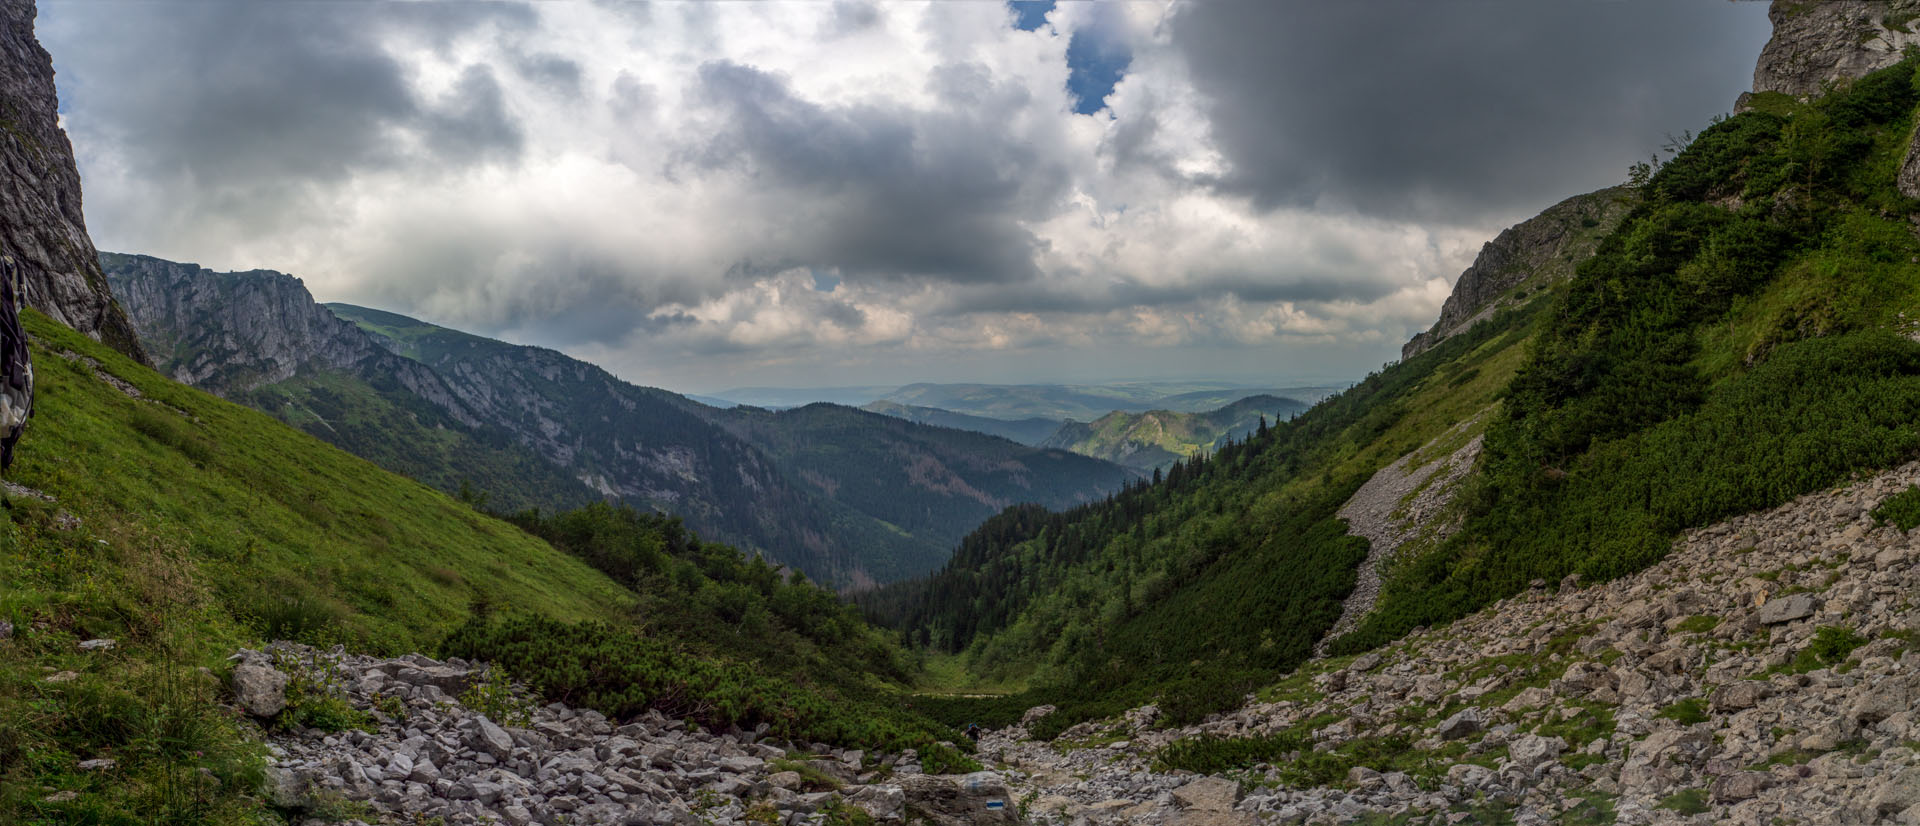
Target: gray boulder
(1464, 722)
(261, 689)
(942, 800)
(1786, 609)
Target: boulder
(883, 802)
(943, 800)
(1532, 750)
(1894, 793)
(1738, 695)
(1208, 794)
(261, 689)
(1786, 609)
(1739, 786)
(1464, 722)
(490, 738)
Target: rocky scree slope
(41, 223)
(1764, 672)
(1534, 254)
(447, 742)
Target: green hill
(1028, 431)
(1154, 440)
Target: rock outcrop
(229, 333)
(426, 756)
(41, 224)
(1817, 43)
(1534, 253)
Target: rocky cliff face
(1536, 252)
(41, 225)
(1817, 43)
(229, 333)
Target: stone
(1786, 609)
(62, 677)
(1464, 722)
(1894, 793)
(883, 802)
(789, 780)
(6, 630)
(97, 645)
(1737, 695)
(1365, 662)
(491, 739)
(1532, 750)
(286, 787)
(260, 689)
(97, 765)
(1742, 785)
(978, 798)
(1209, 794)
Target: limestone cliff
(1536, 252)
(233, 332)
(41, 224)
(1817, 43)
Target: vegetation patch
(1901, 510)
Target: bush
(1902, 510)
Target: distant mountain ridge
(1031, 431)
(1086, 402)
(1158, 438)
(530, 427)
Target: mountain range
(530, 427)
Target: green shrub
(1697, 624)
(1830, 646)
(1902, 510)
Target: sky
(704, 195)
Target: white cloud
(661, 188)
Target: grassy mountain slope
(1028, 431)
(1157, 438)
(1740, 338)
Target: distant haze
(704, 196)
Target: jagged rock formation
(432, 758)
(1533, 253)
(229, 333)
(41, 224)
(1817, 43)
(1764, 672)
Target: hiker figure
(16, 369)
(973, 732)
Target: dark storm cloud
(888, 192)
(274, 95)
(1460, 110)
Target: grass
(1685, 712)
(185, 527)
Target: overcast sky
(701, 195)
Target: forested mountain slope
(1027, 431)
(935, 484)
(1740, 338)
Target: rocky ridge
(1538, 252)
(41, 223)
(1817, 43)
(427, 756)
(1765, 672)
(232, 332)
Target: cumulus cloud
(713, 194)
